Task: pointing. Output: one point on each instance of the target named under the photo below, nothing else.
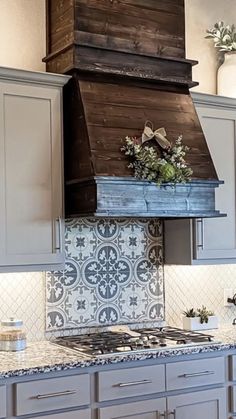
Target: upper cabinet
(210, 241)
(31, 170)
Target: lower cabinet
(208, 404)
(185, 389)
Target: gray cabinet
(31, 171)
(209, 404)
(160, 389)
(213, 240)
(175, 376)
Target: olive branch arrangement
(224, 37)
(163, 165)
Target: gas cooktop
(108, 343)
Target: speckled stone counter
(44, 357)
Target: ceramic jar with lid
(12, 335)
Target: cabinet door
(210, 240)
(30, 175)
(151, 409)
(209, 404)
(215, 237)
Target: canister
(12, 335)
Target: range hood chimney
(127, 61)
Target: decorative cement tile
(113, 274)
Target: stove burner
(105, 343)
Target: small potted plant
(199, 319)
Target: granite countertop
(44, 357)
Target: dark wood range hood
(127, 61)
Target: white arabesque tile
(194, 286)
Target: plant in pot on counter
(153, 157)
(199, 319)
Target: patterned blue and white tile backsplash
(114, 274)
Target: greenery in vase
(202, 312)
(224, 36)
(147, 164)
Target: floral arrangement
(223, 36)
(203, 313)
(165, 164)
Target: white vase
(193, 323)
(226, 78)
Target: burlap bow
(159, 135)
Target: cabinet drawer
(195, 373)
(52, 394)
(3, 409)
(130, 382)
(76, 414)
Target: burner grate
(105, 343)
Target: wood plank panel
(60, 16)
(134, 66)
(109, 110)
(143, 29)
(149, 47)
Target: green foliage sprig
(223, 36)
(203, 313)
(190, 313)
(147, 164)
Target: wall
(202, 15)
(22, 45)
(22, 34)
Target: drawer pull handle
(133, 383)
(196, 374)
(58, 394)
